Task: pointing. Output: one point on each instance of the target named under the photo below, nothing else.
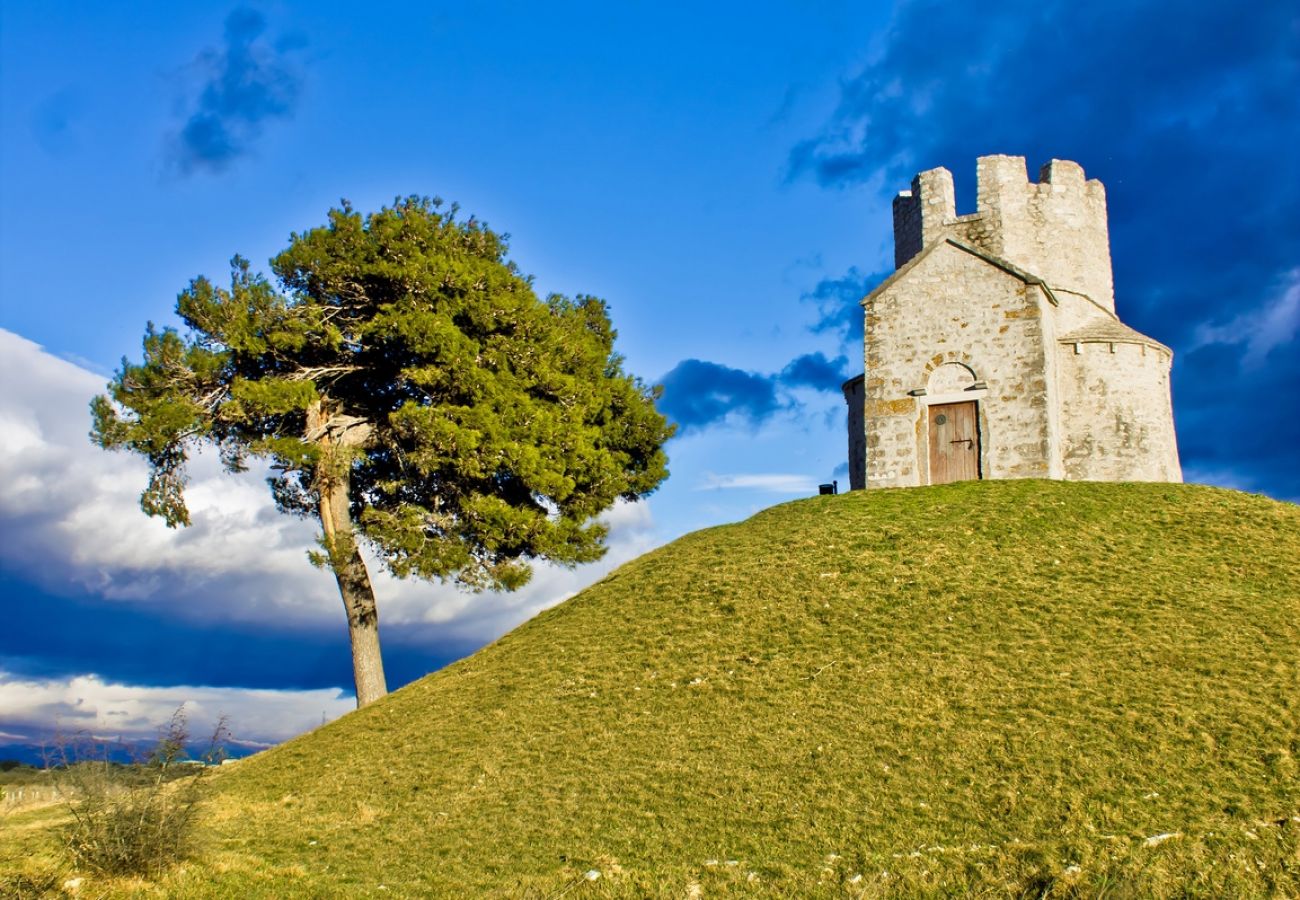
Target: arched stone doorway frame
(937, 387)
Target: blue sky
(720, 173)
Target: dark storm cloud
(1190, 115)
(52, 636)
(815, 371)
(698, 394)
(838, 304)
(247, 82)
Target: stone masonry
(1005, 318)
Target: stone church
(994, 351)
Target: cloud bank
(236, 582)
(1186, 111)
(247, 82)
(86, 704)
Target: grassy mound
(1020, 687)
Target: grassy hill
(1012, 687)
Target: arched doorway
(953, 427)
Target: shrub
(30, 885)
(135, 819)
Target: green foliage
(479, 427)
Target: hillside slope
(1015, 686)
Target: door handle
(967, 441)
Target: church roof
(996, 261)
(1103, 331)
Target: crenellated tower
(1056, 228)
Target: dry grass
(1000, 688)
(31, 865)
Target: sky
(720, 173)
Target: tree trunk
(332, 484)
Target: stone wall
(1056, 229)
(1077, 311)
(948, 307)
(1116, 412)
(853, 395)
(923, 214)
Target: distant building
(994, 351)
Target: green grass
(997, 687)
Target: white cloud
(71, 515)
(72, 523)
(776, 483)
(1271, 325)
(87, 705)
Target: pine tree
(411, 392)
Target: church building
(994, 350)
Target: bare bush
(30, 885)
(135, 819)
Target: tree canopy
(411, 391)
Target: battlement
(1055, 229)
(922, 214)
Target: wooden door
(954, 442)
